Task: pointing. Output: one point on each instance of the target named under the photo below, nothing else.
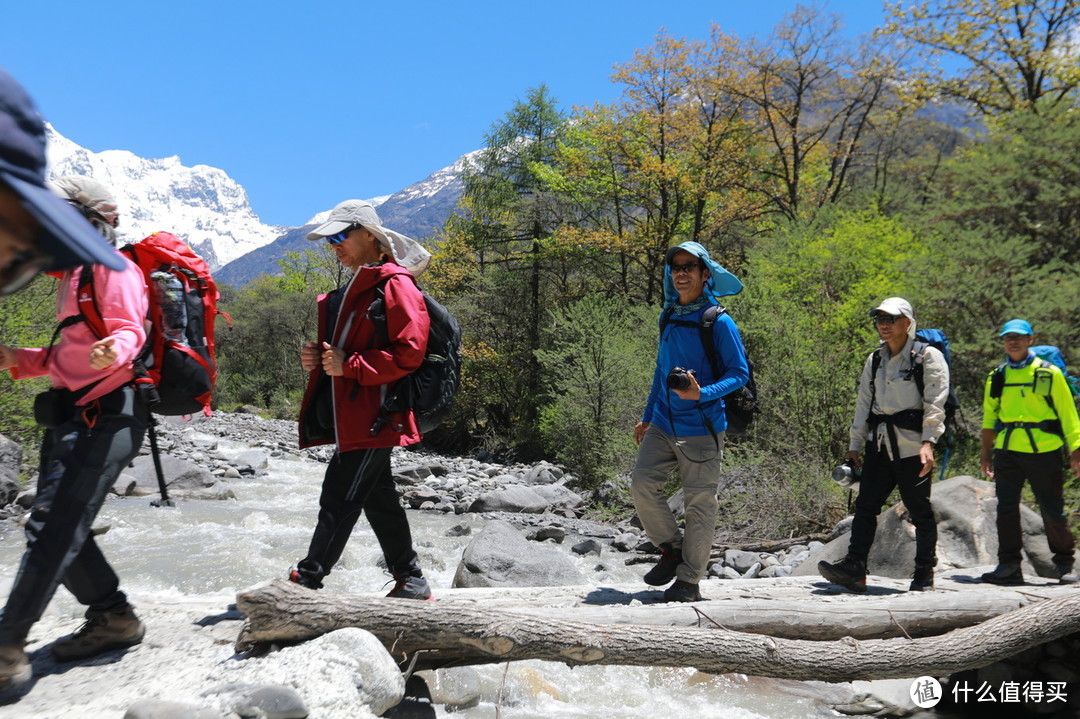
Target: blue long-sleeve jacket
(681, 347)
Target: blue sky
(308, 104)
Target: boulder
(500, 556)
(558, 496)
(179, 474)
(966, 511)
(543, 473)
(11, 455)
(163, 709)
(511, 499)
(455, 688)
(254, 458)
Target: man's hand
(854, 458)
(926, 455)
(692, 392)
(986, 464)
(1074, 461)
(310, 357)
(103, 353)
(333, 360)
(7, 358)
(639, 431)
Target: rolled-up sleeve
(935, 392)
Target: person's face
(20, 261)
(360, 247)
(891, 328)
(1017, 346)
(688, 274)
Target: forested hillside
(816, 168)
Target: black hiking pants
(357, 481)
(880, 476)
(80, 461)
(1044, 471)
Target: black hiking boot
(682, 591)
(848, 573)
(1005, 574)
(664, 569)
(308, 573)
(922, 580)
(1066, 574)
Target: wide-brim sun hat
(406, 251)
(721, 283)
(64, 235)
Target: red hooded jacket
(345, 409)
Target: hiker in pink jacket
(94, 424)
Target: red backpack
(178, 360)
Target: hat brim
(328, 228)
(65, 235)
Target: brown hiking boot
(100, 633)
(14, 666)
(682, 591)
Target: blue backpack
(1053, 355)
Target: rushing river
(215, 548)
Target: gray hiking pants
(698, 460)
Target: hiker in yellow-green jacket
(1028, 416)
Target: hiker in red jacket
(95, 421)
(350, 367)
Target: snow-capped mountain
(418, 211)
(202, 205)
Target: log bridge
(793, 628)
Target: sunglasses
(340, 237)
(1013, 336)
(883, 319)
(24, 266)
(688, 267)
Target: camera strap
(708, 425)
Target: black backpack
(740, 405)
(429, 389)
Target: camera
(846, 475)
(679, 378)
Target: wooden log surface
(581, 626)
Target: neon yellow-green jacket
(1022, 405)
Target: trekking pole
(164, 501)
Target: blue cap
(1016, 327)
(65, 236)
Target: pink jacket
(121, 298)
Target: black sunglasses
(340, 237)
(884, 319)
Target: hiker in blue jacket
(684, 419)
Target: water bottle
(173, 306)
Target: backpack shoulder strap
(918, 355)
(87, 302)
(705, 329)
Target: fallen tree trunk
(440, 634)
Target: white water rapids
(215, 548)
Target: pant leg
(1009, 481)
(79, 465)
(340, 503)
(915, 493)
(1044, 471)
(876, 483)
(388, 520)
(655, 461)
(699, 469)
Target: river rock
(456, 688)
(254, 458)
(559, 497)
(10, 463)
(587, 546)
(543, 473)
(161, 709)
(511, 499)
(270, 702)
(966, 511)
(179, 473)
(500, 556)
